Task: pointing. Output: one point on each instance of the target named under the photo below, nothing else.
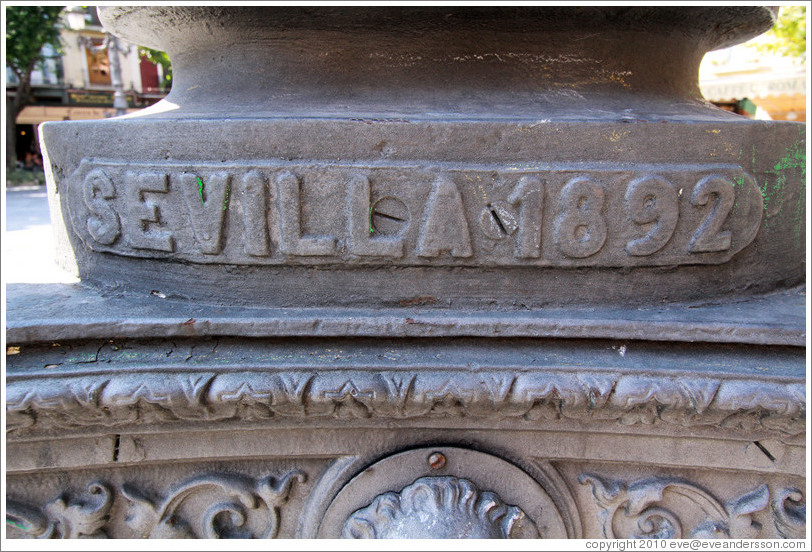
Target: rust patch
(418, 301)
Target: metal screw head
(498, 220)
(389, 216)
(436, 460)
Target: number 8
(580, 230)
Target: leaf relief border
(109, 400)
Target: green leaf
(28, 30)
(788, 35)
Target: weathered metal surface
(516, 165)
(438, 63)
(722, 214)
(134, 495)
(58, 312)
(491, 269)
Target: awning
(753, 87)
(35, 114)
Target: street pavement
(28, 254)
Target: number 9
(652, 199)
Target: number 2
(709, 237)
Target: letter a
(445, 227)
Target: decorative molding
(789, 513)
(439, 507)
(213, 506)
(232, 505)
(219, 505)
(63, 518)
(663, 507)
(104, 400)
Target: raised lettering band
(584, 215)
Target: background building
(754, 79)
(77, 83)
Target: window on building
(98, 64)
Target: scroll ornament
(62, 517)
(213, 506)
(673, 508)
(220, 505)
(789, 513)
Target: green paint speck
(794, 159)
(791, 167)
(228, 194)
(16, 524)
(201, 191)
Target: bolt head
(498, 220)
(436, 460)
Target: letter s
(104, 225)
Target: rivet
(436, 460)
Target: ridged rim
(156, 27)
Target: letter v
(206, 205)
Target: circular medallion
(443, 492)
(439, 508)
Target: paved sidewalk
(28, 246)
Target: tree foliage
(788, 35)
(158, 58)
(28, 30)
